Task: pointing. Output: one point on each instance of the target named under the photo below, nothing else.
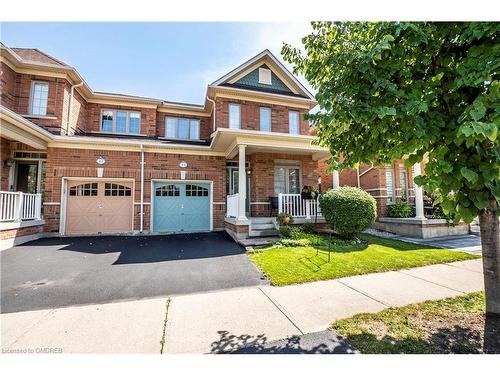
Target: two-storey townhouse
(78, 162)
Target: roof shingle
(33, 54)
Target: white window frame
(127, 126)
(32, 97)
(176, 130)
(230, 125)
(290, 123)
(287, 179)
(270, 119)
(391, 193)
(265, 76)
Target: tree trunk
(490, 241)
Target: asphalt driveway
(57, 272)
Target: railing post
(280, 202)
(38, 206)
(19, 208)
(308, 208)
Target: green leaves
(478, 109)
(469, 174)
(394, 89)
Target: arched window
(84, 190)
(196, 191)
(167, 191)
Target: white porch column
(419, 195)
(242, 184)
(335, 179)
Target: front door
(232, 182)
(27, 177)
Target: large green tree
(424, 90)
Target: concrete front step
(263, 233)
(262, 220)
(262, 226)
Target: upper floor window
(39, 98)
(118, 121)
(293, 122)
(234, 116)
(265, 76)
(182, 128)
(265, 119)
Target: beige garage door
(99, 207)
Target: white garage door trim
(151, 214)
(64, 197)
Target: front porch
(265, 175)
(23, 160)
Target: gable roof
(35, 55)
(292, 85)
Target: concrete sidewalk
(227, 320)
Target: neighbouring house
(79, 162)
(389, 184)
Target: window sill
(41, 117)
(114, 133)
(182, 139)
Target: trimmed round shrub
(348, 210)
(399, 209)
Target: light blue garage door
(181, 207)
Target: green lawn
(452, 325)
(289, 265)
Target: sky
(169, 61)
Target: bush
(290, 242)
(287, 231)
(439, 214)
(399, 209)
(308, 227)
(348, 210)
(284, 218)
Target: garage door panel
(181, 207)
(99, 207)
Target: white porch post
(242, 184)
(419, 195)
(335, 179)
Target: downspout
(142, 188)
(213, 102)
(70, 109)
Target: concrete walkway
(469, 243)
(227, 320)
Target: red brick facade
(161, 163)
(373, 180)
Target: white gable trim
(288, 78)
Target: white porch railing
(298, 207)
(232, 205)
(17, 206)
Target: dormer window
(265, 76)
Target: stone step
(261, 226)
(262, 220)
(263, 233)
